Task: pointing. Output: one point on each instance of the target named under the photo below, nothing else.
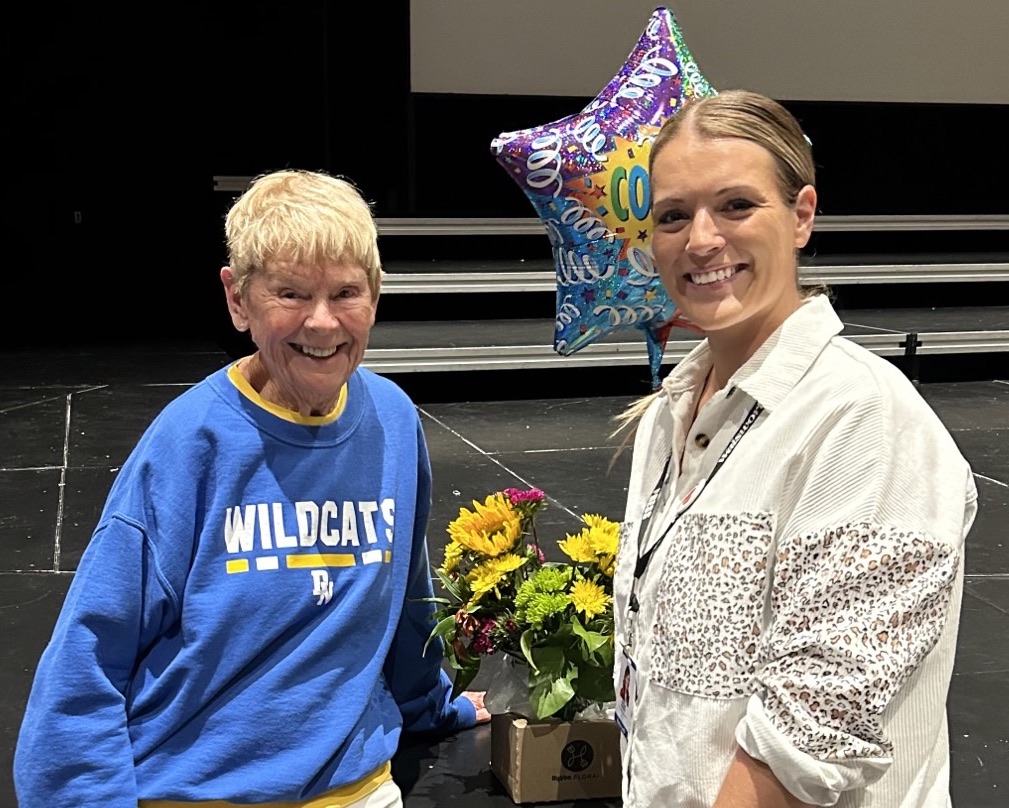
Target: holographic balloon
(587, 177)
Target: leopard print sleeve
(854, 610)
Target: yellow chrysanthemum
(607, 564)
(578, 547)
(487, 576)
(453, 553)
(589, 598)
(491, 528)
(602, 534)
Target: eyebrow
(287, 278)
(282, 277)
(729, 189)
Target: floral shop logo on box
(577, 756)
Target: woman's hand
(482, 713)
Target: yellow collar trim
(247, 390)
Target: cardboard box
(555, 760)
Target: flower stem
(536, 538)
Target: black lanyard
(687, 502)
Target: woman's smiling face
(311, 325)
(724, 237)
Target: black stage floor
(69, 418)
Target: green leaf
(452, 587)
(593, 639)
(468, 670)
(525, 643)
(604, 656)
(550, 697)
(549, 661)
(564, 631)
(595, 683)
(443, 628)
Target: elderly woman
(790, 574)
(247, 624)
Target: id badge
(627, 695)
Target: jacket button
(701, 440)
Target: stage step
(522, 344)
(480, 294)
(479, 277)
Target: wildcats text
(270, 525)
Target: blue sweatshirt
(245, 623)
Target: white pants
(386, 795)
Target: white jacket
(805, 606)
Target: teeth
(320, 352)
(711, 277)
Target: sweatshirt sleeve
(74, 747)
(867, 573)
(416, 679)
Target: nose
(705, 237)
(321, 316)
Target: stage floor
(69, 418)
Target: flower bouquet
(551, 619)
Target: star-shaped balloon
(587, 177)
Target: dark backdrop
(116, 123)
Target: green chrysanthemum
(543, 605)
(547, 579)
(546, 583)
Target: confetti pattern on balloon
(587, 177)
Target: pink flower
(483, 643)
(467, 623)
(517, 496)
